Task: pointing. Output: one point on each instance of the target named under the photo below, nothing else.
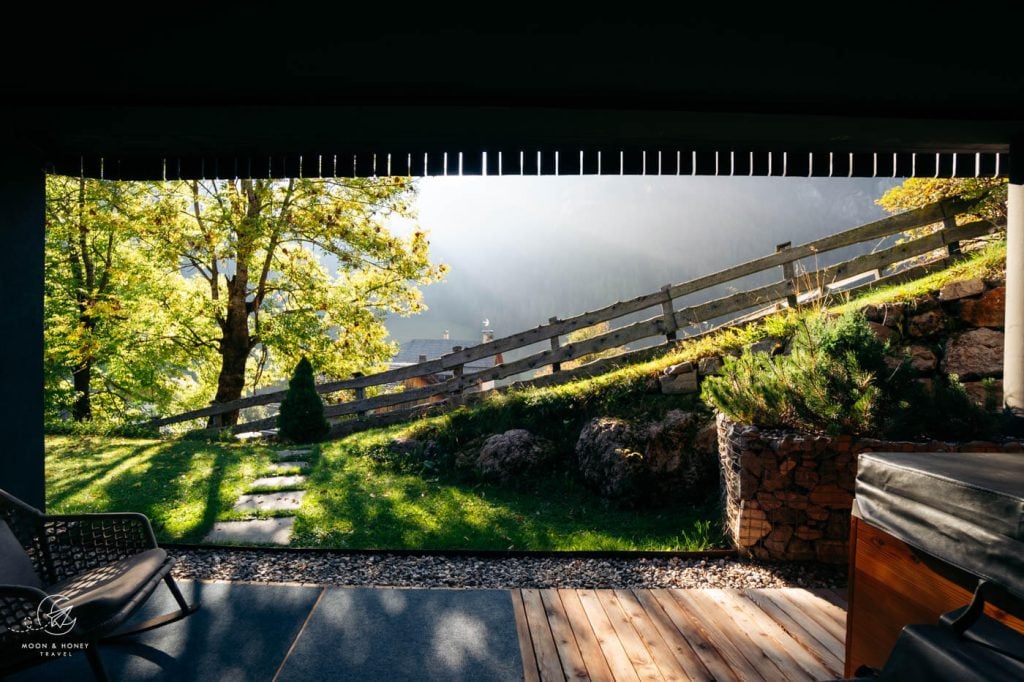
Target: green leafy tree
(988, 196)
(281, 269)
(301, 418)
(109, 351)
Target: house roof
(435, 348)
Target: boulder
(649, 463)
(709, 365)
(954, 291)
(927, 323)
(510, 456)
(769, 345)
(975, 354)
(678, 383)
(978, 392)
(880, 330)
(922, 358)
(987, 311)
(681, 368)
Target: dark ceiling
(164, 81)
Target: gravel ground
(388, 570)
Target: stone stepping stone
(289, 465)
(290, 455)
(255, 435)
(276, 531)
(287, 501)
(277, 482)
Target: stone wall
(789, 494)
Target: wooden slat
(589, 647)
(548, 663)
(815, 609)
(816, 639)
(660, 651)
(885, 227)
(695, 635)
(739, 652)
(785, 651)
(531, 672)
(565, 641)
(638, 654)
(614, 653)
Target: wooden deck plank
(677, 641)
(823, 634)
(548, 663)
(565, 641)
(831, 596)
(530, 670)
(755, 644)
(816, 639)
(827, 615)
(738, 651)
(590, 647)
(789, 650)
(657, 647)
(637, 652)
(614, 653)
(843, 595)
(695, 634)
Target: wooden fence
(670, 323)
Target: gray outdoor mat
(387, 634)
(241, 632)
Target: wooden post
(360, 393)
(457, 372)
(787, 274)
(668, 314)
(952, 248)
(555, 366)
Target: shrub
(835, 380)
(301, 418)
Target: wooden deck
(768, 634)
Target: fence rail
(669, 323)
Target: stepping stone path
(277, 530)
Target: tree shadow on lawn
(360, 507)
(180, 506)
(87, 469)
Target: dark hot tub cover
(966, 509)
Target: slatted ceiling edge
(658, 161)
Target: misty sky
(522, 249)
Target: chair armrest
(18, 609)
(78, 542)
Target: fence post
(360, 393)
(949, 223)
(457, 371)
(668, 315)
(555, 366)
(787, 274)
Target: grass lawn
(353, 500)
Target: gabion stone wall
(789, 494)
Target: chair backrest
(25, 524)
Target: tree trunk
(82, 376)
(234, 353)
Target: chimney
(487, 334)
(444, 335)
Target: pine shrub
(835, 379)
(301, 418)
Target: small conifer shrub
(301, 418)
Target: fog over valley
(523, 249)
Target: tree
(301, 418)
(988, 195)
(286, 269)
(105, 353)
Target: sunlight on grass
(182, 486)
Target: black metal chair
(71, 581)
